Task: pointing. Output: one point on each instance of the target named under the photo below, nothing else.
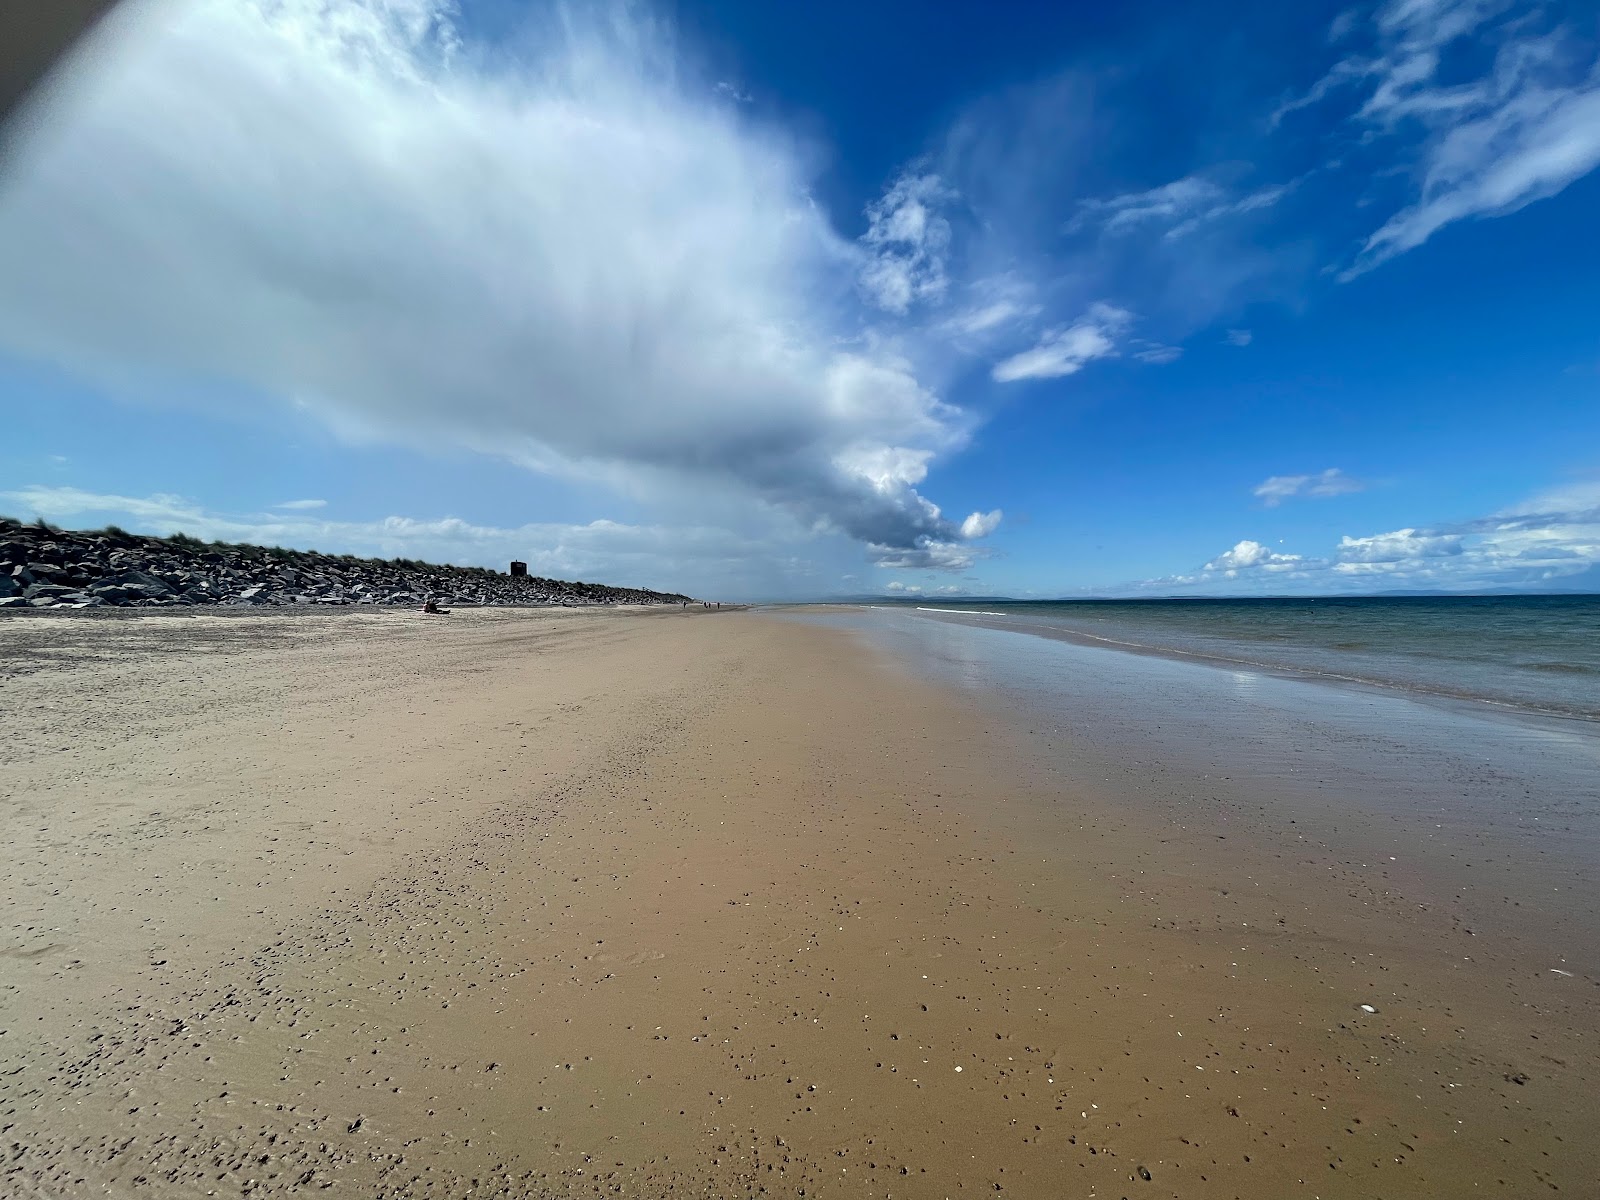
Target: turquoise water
(1538, 653)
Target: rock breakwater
(45, 567)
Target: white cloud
(1065, 351)
(886, 468)
(1537, 543)
(301, 505)
(1332, 482)
(589, 263)
(1238, 337)
(907, 241)
(980, 524)
(1519, 130)
(1402, 545)
(1554, 533)
(1248, 555)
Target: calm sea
(1539, 653)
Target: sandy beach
(684, 903)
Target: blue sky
(786, 301)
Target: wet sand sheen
(657, 904)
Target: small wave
(1563, 668)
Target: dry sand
(617, 903)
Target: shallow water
(1525, 781)
(1537, 653)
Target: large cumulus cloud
(586, 260)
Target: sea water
(1163, 714)
(1536, 653)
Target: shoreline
(571, 901)
(1428, 779)
(1421, 693)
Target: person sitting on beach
(430, 605)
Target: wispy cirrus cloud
(1157, 354)
(991, 308)
(1453, 110)
(1176, 209)
(1519, 130)
(1065, 351)
(1165, 205)
(1274, 490)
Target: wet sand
(616, 903)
